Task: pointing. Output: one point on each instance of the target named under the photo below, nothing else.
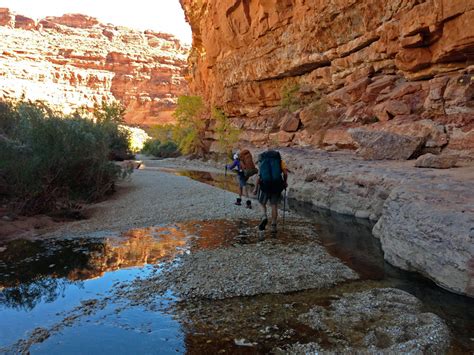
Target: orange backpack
(247, 164)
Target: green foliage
(227, 135)
(161, 150)
(289, 97)
(190, 126)
(108, 112)
(109, 116)
(48, 161)
(162, 133)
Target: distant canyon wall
(404, 66)
(74, 60)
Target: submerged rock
(376, 321)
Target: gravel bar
(247, 270)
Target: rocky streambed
(210, 286)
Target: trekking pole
(225, 190)
(284, 209)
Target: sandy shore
(151, 197)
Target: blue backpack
(271, 179)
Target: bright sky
(159, 15)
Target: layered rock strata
(74, 61)
(404, 67)
(425, 217)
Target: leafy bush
(48, 161)
(289, 97)
(190, 126)
(108, 112)
(109, 116)
(162, 133)
(227, 135)
(161, 150)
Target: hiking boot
(238, 202)
(274, 229)
(261, 235)
(262, 224)
(248, 204)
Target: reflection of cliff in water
(35, 271)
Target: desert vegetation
(190, 125)
(50, 162)
(187, 135)
(227, 135)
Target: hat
(236, 155)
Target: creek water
(65, 287)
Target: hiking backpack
(246, 163)
(271, 179)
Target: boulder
(378, 145)
(340, 138)
(291, 123)
(389, 109)
(436, 161)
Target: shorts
(265, 197)
(242, 180)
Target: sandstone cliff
(404, 67)
(74, 60)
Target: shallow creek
(57, 296)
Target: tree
(109, 112)
(227, 135)
(190, 127)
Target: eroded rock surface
(426, 227)
(74, 60)
(340, 65)
(382, 321)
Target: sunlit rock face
(74, 60)
(389, 66)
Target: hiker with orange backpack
(272, 180)
(243, 164)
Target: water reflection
(223, 181)
(38, 271)
(39, 279)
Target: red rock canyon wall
(74, 60)
(400, 66)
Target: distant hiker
(272, 180)
(243, 164)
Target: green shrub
(227, 135)
(48, 161)
(289, 97)
(162, 133)
(108, 112)
(109, 115)
(161, 150)
(190, 126)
